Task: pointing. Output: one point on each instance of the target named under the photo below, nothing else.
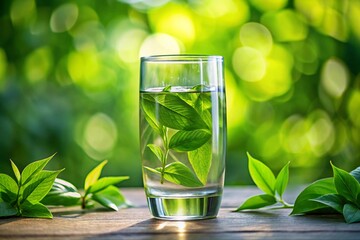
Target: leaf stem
(18, 198)
(285, 204)
(174, 157)
(163, 165)
(165, 156)
(83, 202)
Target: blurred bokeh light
(69, 77)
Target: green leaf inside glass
(183, 122)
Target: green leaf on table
(282, 180)
(184, 141)
(157, 151)
(332, 200)
(63, 185)
(34, 168)
(7, 210)
(346, 185)
(62, 193)
(304, 202)
(351, 213)
(39, 186)
(37, 210)
(173, 112)
(110, 197)
(94, 175)
(104, 182)
(16, 171)
(62, 199)
(258, 201)
(261, 175)
(356, 173)
(200, 160)
(8, 185)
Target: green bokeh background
(69, 78)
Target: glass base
(183, 209)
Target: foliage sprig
(21, 197)
(338, 194)
(34, 188)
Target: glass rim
(182, 58)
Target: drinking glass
(183, 135)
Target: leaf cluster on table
(28, 194)
(265, 180)
(338, 194)
(96, 189)
(22, 196)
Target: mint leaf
(148, 105)
(8, 186)
(94, 186)
(157, 151)
(265, 180)
(261, 175)
(104, 182)
(183, 112)
(111, 198)
(149, 114)
(351, 213)
(198, 88)
(203, 107)
(37, 210)
(282, 180)
(304, 202)
(7, 210)
(157, 171)
(200, 160)
(63, 185)
(94, 175)
(178, 173)
(62, 193)
(62, 199)
(188, 97)
(33, 168)
(22, 198)
(356, 173)
(332, 200)
(167, 88)
(173, 112)
(184, 141)
(16, 171)
(39, 186)
(257, 201)
(346, 185)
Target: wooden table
(137, 223)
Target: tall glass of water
(183, 135)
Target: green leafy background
(69, 78)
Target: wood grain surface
(137, 223)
